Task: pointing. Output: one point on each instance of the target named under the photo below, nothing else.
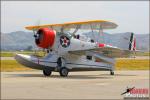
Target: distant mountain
(21, 40)
(142, 41)
(17, 40)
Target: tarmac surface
(7, 58)
(78, 85)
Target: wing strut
(93, 33)
(101, 35)
(78, 26)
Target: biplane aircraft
(69, 50)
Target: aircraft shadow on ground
(100, 76)
(121, 74)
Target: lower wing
(106, 51)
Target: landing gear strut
(63, 71)
(47, 72)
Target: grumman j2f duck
(68, 50)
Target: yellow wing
(96, 24)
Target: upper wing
(96, 24)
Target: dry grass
(12, 65)
(11, 54)
(132, 64)
(41, 53)
(121, 64)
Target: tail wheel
(47, 72)
(111, 72)
(64, 72)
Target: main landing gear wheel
(47, 72)
(63, 72)
(111, 72)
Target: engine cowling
(45, 38)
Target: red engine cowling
(45, 38)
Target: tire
(47, 72)
(64, 72)
(111, 73)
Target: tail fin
(127, 41)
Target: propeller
(38, 35)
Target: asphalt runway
(79, 85)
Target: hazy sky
(129, 15)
